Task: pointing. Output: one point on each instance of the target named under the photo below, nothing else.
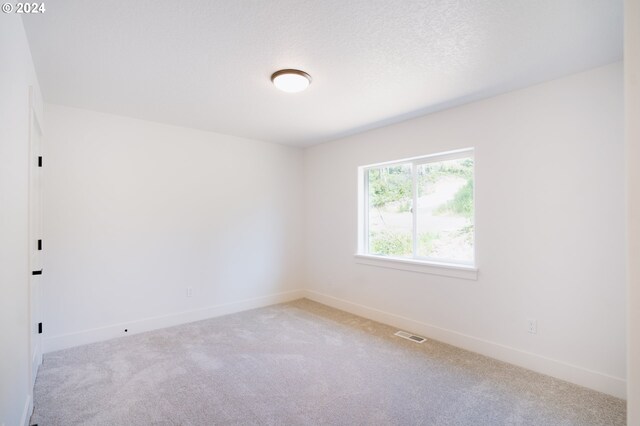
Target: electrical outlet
(532, 325)
(189, 291)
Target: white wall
(550, 229)
(136, 212)
(632, 126)
(16, 75)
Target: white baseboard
(26, 411)
(571, 373)
(55, 343)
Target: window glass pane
(390, 219)
(445, 210)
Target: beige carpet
(295, 364)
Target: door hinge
(39, 328)
(40, 161)
(37, 272)
(39, 244)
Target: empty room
(292, 212)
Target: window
(421, 209)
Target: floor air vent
(410, 336)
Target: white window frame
(456, 269)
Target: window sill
(423, 267)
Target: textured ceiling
(206, 63)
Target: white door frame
(35, 235)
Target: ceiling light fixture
(291, 81)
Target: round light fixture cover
(290, 80)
